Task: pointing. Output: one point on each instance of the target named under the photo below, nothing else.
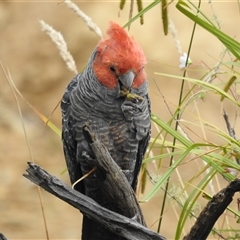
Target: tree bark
(121, 225)
(210, 214)
(114, 184)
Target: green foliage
(164, 16)
(122, 4)
(196, 15)
(146, 9)
(172, 143)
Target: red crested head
(119, 57)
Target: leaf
(146, 9)
(232, 45)
(228, 85)
(203, 84)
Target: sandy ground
(41, 76)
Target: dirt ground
(41, 76)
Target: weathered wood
(114, 184)
(121, 225)
(215, 207)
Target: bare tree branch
(114, 184)
(215, 207)
(123, 226)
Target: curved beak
(127, 79)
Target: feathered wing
(68, 136)
(142, 146)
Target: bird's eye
(112, 69)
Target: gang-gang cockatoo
(95, 96)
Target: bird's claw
(131, 96)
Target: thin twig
(231, 133)
(13, 89)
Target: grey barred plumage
(122, 125)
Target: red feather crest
(122, 52)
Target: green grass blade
(189, 203)
(146, 9)
(207, 85)
(229, 42)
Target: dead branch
(123, 226)
(114, 184)
(215, 207)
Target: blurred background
(41, 76)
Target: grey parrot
(95, 96)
